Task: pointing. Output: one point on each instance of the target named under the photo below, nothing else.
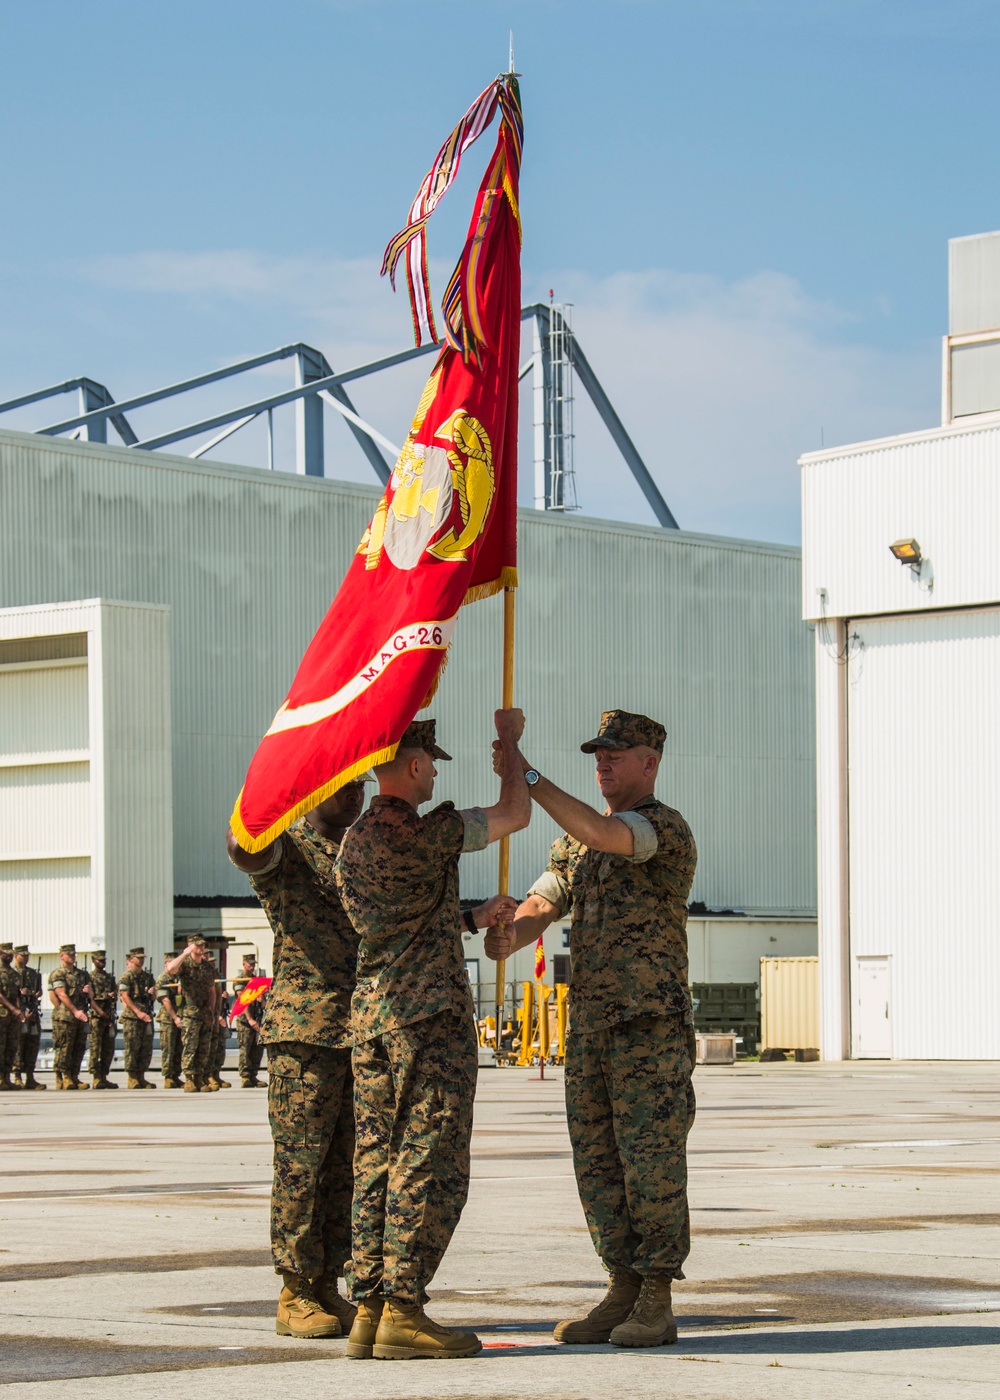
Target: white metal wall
(941, 487)
(702, 633)
(925, 825)
(45, 797)
(85, 783)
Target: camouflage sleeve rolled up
(644, 837)
(476, 833)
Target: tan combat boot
(190, 1085)
(144, 1083)
(133, 1082)
(98, 1081)
(169, 1083)
(6, 1087)
(600, 1322)
(406, 1333)
(300, 1313)
(327, 1293)
(363, 1329)
(32, 1083)
(206, 1086)
(16, 1080)
(79, 1084)
(651, 1322)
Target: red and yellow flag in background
(252, 992)
(540, 959)
(444, 532)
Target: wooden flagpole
(503, 877)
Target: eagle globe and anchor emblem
(424, 482)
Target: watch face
(531, 777)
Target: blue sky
(748, 205)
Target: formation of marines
(85, 1017)
(372, 1054)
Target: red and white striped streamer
(412, 239)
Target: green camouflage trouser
(69, 1041)
(630, 1105)
(310, 1106)
(101, 1045)
(196, 1044)
(10, 1033)
(26, 1055)
(220, 1047)
(138, 1038)
(251, 1050)
(413, 1096)
(170, 1050)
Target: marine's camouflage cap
(136, 953)
(20, 947)
(420, 734)
(621, 730)
(99, 955)
(250, 957)
(67, 947)
(7, 948)
(197, 940)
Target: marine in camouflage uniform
(168, 1018)
(220, 1034)
(103, 1025)
(195, 976)
(248, 1027)
(137, 989)
(415, 1044)
(11, 1015)
(69, 987)
(310, 1087)
(31, 1027)
(630, 1047)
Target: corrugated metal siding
(43, 708)
(47, 902)
(925, 825)
(44, 808)
(941, 488)
(138, 828)
(700, 632)
(789, 1003)
(973, 283)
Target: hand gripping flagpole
(503, 877)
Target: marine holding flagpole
(443, 535)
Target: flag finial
(511, 68)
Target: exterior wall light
(907, 552)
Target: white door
(872, 1021)
(923, 709)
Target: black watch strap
(469, 921)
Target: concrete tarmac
(846, 1243)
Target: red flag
(540, 959)
(443, 534)
(253, 990)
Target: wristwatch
(469, 920)
(531, 776)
